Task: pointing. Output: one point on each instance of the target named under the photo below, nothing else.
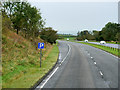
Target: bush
(49, 35)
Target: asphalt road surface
(82, 66)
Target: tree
(6, 22)
(24, 17)
(118, 36)
(49, 35)
(85, 35)
(96, 35)
(109, 31)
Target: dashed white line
(101, 73)
(91, 57)
(94, 62)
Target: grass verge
(29, 75)
(105, 48)
(21, 60)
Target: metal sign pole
(40, 46)
(40, 56)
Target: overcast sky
(71, 17)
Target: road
(82, 66)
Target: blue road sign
(40, 45)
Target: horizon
(71, 17)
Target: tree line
(62, 36)
(111, 32)
(26, 19)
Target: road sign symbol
(40, 45)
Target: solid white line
(55, 69)
(110, 54)
(101, 73)
(67, 54)
(60, 56)
(49, 78)
(106, 52)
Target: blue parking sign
(40, 45)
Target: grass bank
(21, 60)
(29, 75)
(113, 51)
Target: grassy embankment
(20, 60)
(113, 51)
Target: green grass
(21, 60)
(105, 48)
(27, 76)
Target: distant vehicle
(86, 40)
(102, 42)
(67, 39)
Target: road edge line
(104, 51)
(39, 81)
(67, 54)
(55, 68)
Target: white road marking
(67, 54)
(111, 54)
(101, 73)
(60, 56)
(91, 57)
(54, 70)
(49, 78)
(106, 52)
(94, 62)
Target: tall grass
(21, 61)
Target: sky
(70, 17)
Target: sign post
(40, 46)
